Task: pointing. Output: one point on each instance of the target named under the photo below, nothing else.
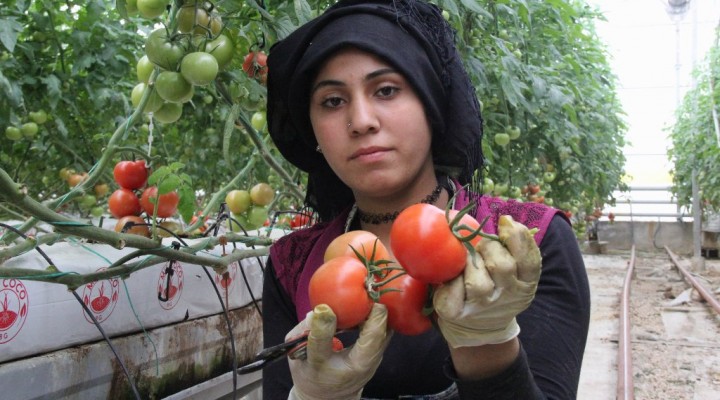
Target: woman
(371, 99)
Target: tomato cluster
(27, 129)
(189, 57)
(357, 272)
(133, 197)
(249, 208)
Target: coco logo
(170, 285)
(14, 306)
(100, 297)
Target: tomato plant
(124, 202)
(405, 298)
(131, 174)
(424, 244)
(167, 203)
(342, 283)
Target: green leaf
(186, 206)
(53, 87)
(170, 183)
(158, 175)
(176, 166)
(9, 30)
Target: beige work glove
(479, 306)
(327, 374)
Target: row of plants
(695, 136)
(180, 84)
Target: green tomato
(222, 48)
(151, 8)
(500, 189)
(257, 215)
(144, 68)
(87, 201)
(549, 176)
(169, 113)
(199, 68)
(488, 186)
(172, 87)
(502, 139)
(241, 220)
(259, 120)
(513, 132)
(153, 104)
(97, 212)
(39, 117)
(29, 129)
(238, 201)
(162, 51)
(13, 133)
(187, 18)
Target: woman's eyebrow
(368, 77)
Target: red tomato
(405, 306)
(141, 229)
(255, 64)
(131, 174)
(424, 245)
(471, 222)
(124, 202)
(341, 283)
(363, 241)
(300, 220)
(167, 204)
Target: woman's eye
(387, 91)
(332, 102)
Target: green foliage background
(695, 136)
(537, 66)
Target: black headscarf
(410, 35)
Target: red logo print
(226, 280)
(13, 308)
(170, 285)
(101, 297)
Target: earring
(318, 149)
(349, 123)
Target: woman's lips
(369, 153)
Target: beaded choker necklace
(383, 218)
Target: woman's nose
(363, 118)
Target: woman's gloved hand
(479, 306)
(326, 374)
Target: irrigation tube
(709, 298)
(625, 389)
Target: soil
(674, 333)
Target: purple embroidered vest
(296, 256)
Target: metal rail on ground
(704, 293)
(625, 385)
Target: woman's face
(370, 125)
